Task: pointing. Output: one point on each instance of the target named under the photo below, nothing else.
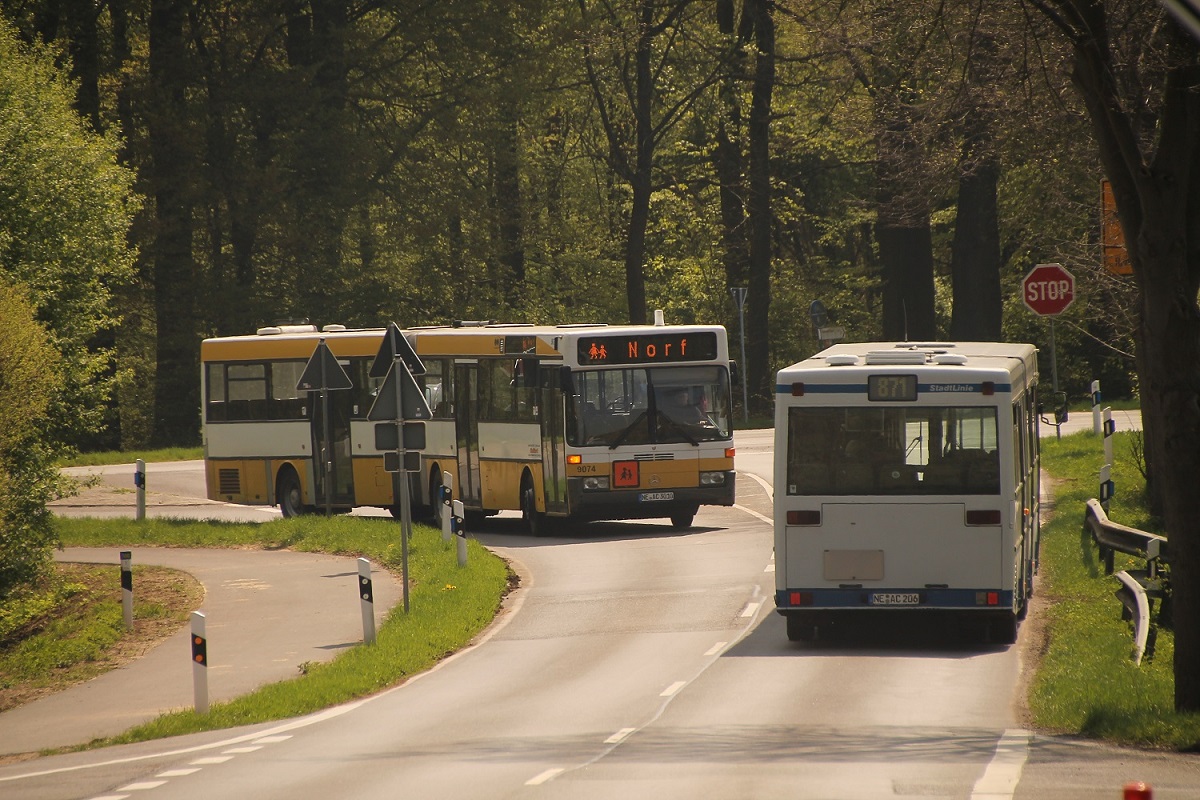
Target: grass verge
(1086, 683)
(448, 606)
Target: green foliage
(29, 379)
(1086, 683)
(65, 212)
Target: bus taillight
(806, 517)
(800, 598)
(988, 517)
(987, 598)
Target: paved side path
(266, 613)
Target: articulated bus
(587, 422)
(575, 421)
(907, 483)
(261, 433)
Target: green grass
(448, 606)
(1087, 684)
(106, 458)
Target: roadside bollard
(1096, 429)
(447, 510)
(199, 663)
(139, 481)
(366, 599)
(127, 587)
(460, 531)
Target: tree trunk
(177, 395)
(639, 213)
(906, 251)
(758, 299)
(975, 253)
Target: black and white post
(366, 597)
(199, 663)
(447, 512)
(460, 531)
(127, 587)
(139, 482)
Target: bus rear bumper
(891, 599)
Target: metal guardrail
(1139, 587)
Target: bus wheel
(1003, 629)
(800, 629)
(291, 502)
(535, 522)
(683, 519)
(436, 507)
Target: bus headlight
(712, 478)
(596, 484)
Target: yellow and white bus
(260, 432)
(589, 422)
(907, 483)
(554, 421)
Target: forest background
(903, 162)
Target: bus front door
(334, 472)
(466, 426)
(554, 456)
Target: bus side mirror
(564, 381)
(735, 373)
(1060, 407)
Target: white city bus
(907, 483)
(578, 421)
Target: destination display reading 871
(891, 387)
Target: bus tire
(800, 628)
(1003, 629)
(535, 521)
(287, 491)
(436, 507)
(682, 519)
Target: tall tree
(629, 49)
(1138, 73)
(177, 391)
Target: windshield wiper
(625, 433)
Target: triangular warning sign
(323, 372)
(412, 399)
(394, 344)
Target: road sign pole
(1054, 378)
(401, 476)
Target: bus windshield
(893, 451)
(657, 405)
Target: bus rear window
(892, 451)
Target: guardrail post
(127, 587)
(139, 481)
(1107, 487)
(199, 663)
(1096, 407)
(460, 531)
(366, 597)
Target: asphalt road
(637, 661)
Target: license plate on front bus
(652, 497)
(896, 599)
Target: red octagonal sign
(1048, 289)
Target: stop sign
(1048, 289)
